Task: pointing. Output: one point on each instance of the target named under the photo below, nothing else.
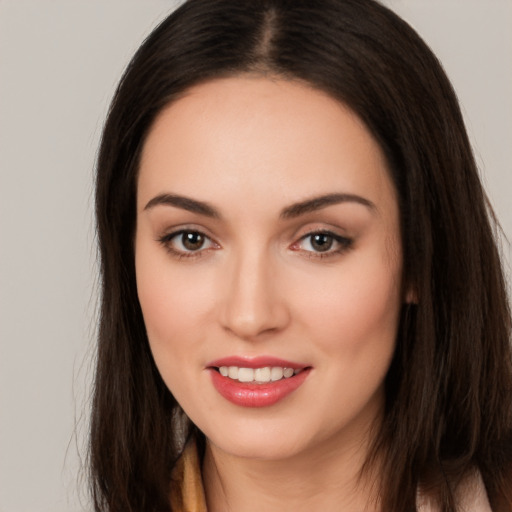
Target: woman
(302, 301)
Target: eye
(323, 243)
(185, 243)
(319, 242)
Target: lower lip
(256, 395)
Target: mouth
(256, 382)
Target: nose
(253, 302)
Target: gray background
(59, 63)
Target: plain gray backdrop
(59, 63)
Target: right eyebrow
(319, 202)
(185, 203)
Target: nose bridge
(252, 303)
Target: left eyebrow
(319, 202)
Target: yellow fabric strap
(187, 493)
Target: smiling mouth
(262, 375)
(256, 382)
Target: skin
(250, 147)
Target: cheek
(356, 308)
(171, 304)
(352, 321)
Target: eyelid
(166, 239)
(344, 243)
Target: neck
(327, 478)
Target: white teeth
(258, 375)
(245, 374)
(262, 374)
(288, 372)
(276, 373)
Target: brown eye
(187, 243)
(321, 242)
(192, 240)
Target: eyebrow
(185, 203)
(292, 211)
(317, 203)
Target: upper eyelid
(325, 231)
(336, 236)
(169, 232)
(176, 233)
(330, 229)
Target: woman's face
(267, 244)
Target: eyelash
(166, 240)
(344, 243)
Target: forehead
(274, 137)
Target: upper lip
(255, 362)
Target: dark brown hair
(449, 388)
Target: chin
(262, 447)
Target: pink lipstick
(256, 382)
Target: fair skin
(229, 266)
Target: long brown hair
(449, 388)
